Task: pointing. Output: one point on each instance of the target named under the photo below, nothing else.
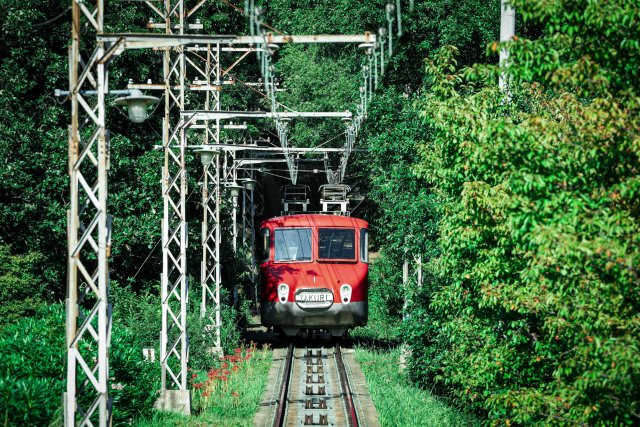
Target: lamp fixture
(234, 188)
(206, 154)
(250, 184)
(137, 104)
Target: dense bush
(32, 372)
(530, 313)
(21, 290)
(32, 361)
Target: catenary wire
(55, 18)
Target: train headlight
(283, 293)
(345, 293)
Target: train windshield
(336, 243)
(293, 244)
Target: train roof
(315, 220)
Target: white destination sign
(317, 298)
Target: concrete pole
(507, 31)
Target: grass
(398, 401)
(226, 395)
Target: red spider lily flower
(193, 376)
(226, 372)
(238, 350)
(205, 394)
(198, 385)
(223, 378)
(235, 394)
(225, 366)
(235, 368)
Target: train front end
(314, 273)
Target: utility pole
(211, 277)
(248, 231)
(174, 354)
(88, 313)
(507, 32)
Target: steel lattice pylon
(174, 352)
(88, 312)
(210, 275)
(248, 233)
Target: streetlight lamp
(206, 154)
(234, 189)
(134, 99)
(250, 184)
(137, 104)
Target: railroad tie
(323, 420)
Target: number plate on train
(314, 298)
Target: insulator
(390, 9)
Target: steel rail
(346, 389)
(282, 400)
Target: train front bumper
(291, 318)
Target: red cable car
(314, 273)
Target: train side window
(364, 245)
(265, 241)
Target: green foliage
(398, 401)
(33, 175)
(20, 285)
(526, 212)
(32, 371)
(530, 311)
(225, 394)
(32, 368)
(403, 210)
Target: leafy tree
(531, 308)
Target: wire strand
(160, 239)
(55, 18)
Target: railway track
(315, 389)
